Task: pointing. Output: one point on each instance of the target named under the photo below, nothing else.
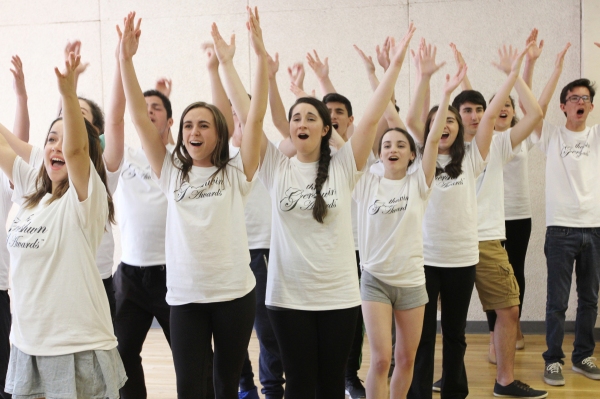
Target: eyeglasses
(576, 98)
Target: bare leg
(378, 320)
(505, 338)
(409, 325)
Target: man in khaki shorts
(494, 278)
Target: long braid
(320, 208)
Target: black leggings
(314, 347)
(5, 323)
(193, 326)
(517, 241)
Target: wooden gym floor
(160, 375)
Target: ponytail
(320, 208)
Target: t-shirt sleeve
(344, 161)
(238, 168)
(36, 158)
(548, 131)
(93, 211)
(505, 144)
(360, 189)
(424, 189)
(273, 161)
(476, 161)
(166, 174)
(112, 178)
(23, 179)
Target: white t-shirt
(370, 161)
(517, 203)
(490, 188)
(572, 184)
(312, 266)
(142, 212)
(450, 223)
(5, 205)
(207, 248)
(106, 250)
(257, 213)
(390, 219)
(59, 303)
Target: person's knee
(380, 363)
(510, 314)
(404, 361)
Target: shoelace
(523, 386)
(589, 361)
(555, 367)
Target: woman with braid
(312, 288)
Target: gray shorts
(88, 374)
(401, 298)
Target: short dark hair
(469, 96)
(338, 98)
(165, 100)
(578, 83)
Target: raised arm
(533, 114)
(425, 59)
(531, 57)
(20, 147)
(485, 130)
(114, 131)
(7, 155)
(21, 125)
(364, 134)
(231, 80)
(321, 70)
(253, 136)
(165, 86)
(277, 108)
(441, 122)
(75, 142)
(75, 48)
(460, 62)
(151, 141)
(219, 97)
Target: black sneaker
(355, 388)
(437, 386)
(517, 389)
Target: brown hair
(220, 155)
(457, 149)
(43, 184)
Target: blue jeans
(269, 361)
(565, 246)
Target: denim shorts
(401, 298)
(81, 375)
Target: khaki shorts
(494, 277)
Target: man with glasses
(573, 229)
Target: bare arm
(7, 155)
(277, 108)
(321, 70)
(21, 125)
(532, 110)
(531, 57)
(440, 122)
(114, 132)
(460, 62)
(20, 147)
(151, 140)
(364, 134)
(219, 97)
(485, 130)
(75, 144)
(75, 48)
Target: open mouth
(445, 135)
(503, 115)
(580, 111)
(393, 158)
(196, 143)
(302, 136)
(335, 126)
(57, 163)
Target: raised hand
(416, 55)
(67, 82)
(297, 73)
(299, 92)
(321, 69)
(516, 65)
(458, 58)
(453, 82)
(164, 85)
(212, 61)
(256, 38)
(75, 47)
(225, 52)
(560, 57)
(398, 51)
(597, 44)
(426, 60)
(368, 61)
(19, 82)
(130, 38)
(535, 50)
(273, 65)
(383, 54)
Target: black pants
(269, 362)
(193, 326)
(314, 349)
(110, 294)
(5, 322)
(517, 241)
(140, 297)
(355, 358)
(454, 285)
